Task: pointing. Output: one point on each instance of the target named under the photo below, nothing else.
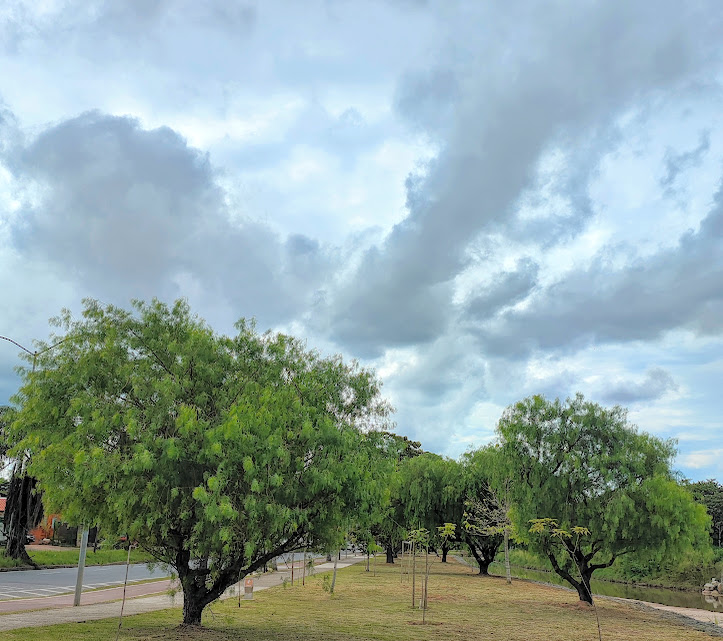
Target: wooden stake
(414, 572)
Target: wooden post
(303, 575)
(333, 576)
(401, 565)
(426, 574)
(414, 572)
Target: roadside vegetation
(219, 453)
(55, 557)
(686, 573)
(461, 606)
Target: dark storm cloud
(129, 212)
(680, 287)
(656, 383)
(582, 66)
(120, 202)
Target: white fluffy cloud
(484, 202)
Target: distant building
(3, 538)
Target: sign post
(248, 589)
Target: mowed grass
(462, 605)
(69, 556)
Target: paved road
(95, 596)
(40, 583)
(97, 611)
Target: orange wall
(45, 528)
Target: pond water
(607, 588)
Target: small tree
(447, 533)
(420, 540)
(215, 453)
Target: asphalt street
(39, 583)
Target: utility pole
(81, 565)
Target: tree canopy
(382, 523)
(602, 488)
(429, 494)
(215, 453)
(710, 494)
(485, 514)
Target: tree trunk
(197, 592)
(585, 573)
(583, 590)
(201, 587)
(482, 561)
(484, 567)
(508, 571)
(390, 554)
(333, 575)
(192, 609)
(303, 576)
(445, 549)
(484, 549)
(23, 512)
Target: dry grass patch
(462, 606)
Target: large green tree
(383, 523)
(429, 493)
(588, 469)
(215, 453)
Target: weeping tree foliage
(215, 453)
(429, 492)
(383, 523)
(586, 469)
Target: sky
(480, 200)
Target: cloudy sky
(482, 200)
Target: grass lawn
(462, 605)
(69, 556)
